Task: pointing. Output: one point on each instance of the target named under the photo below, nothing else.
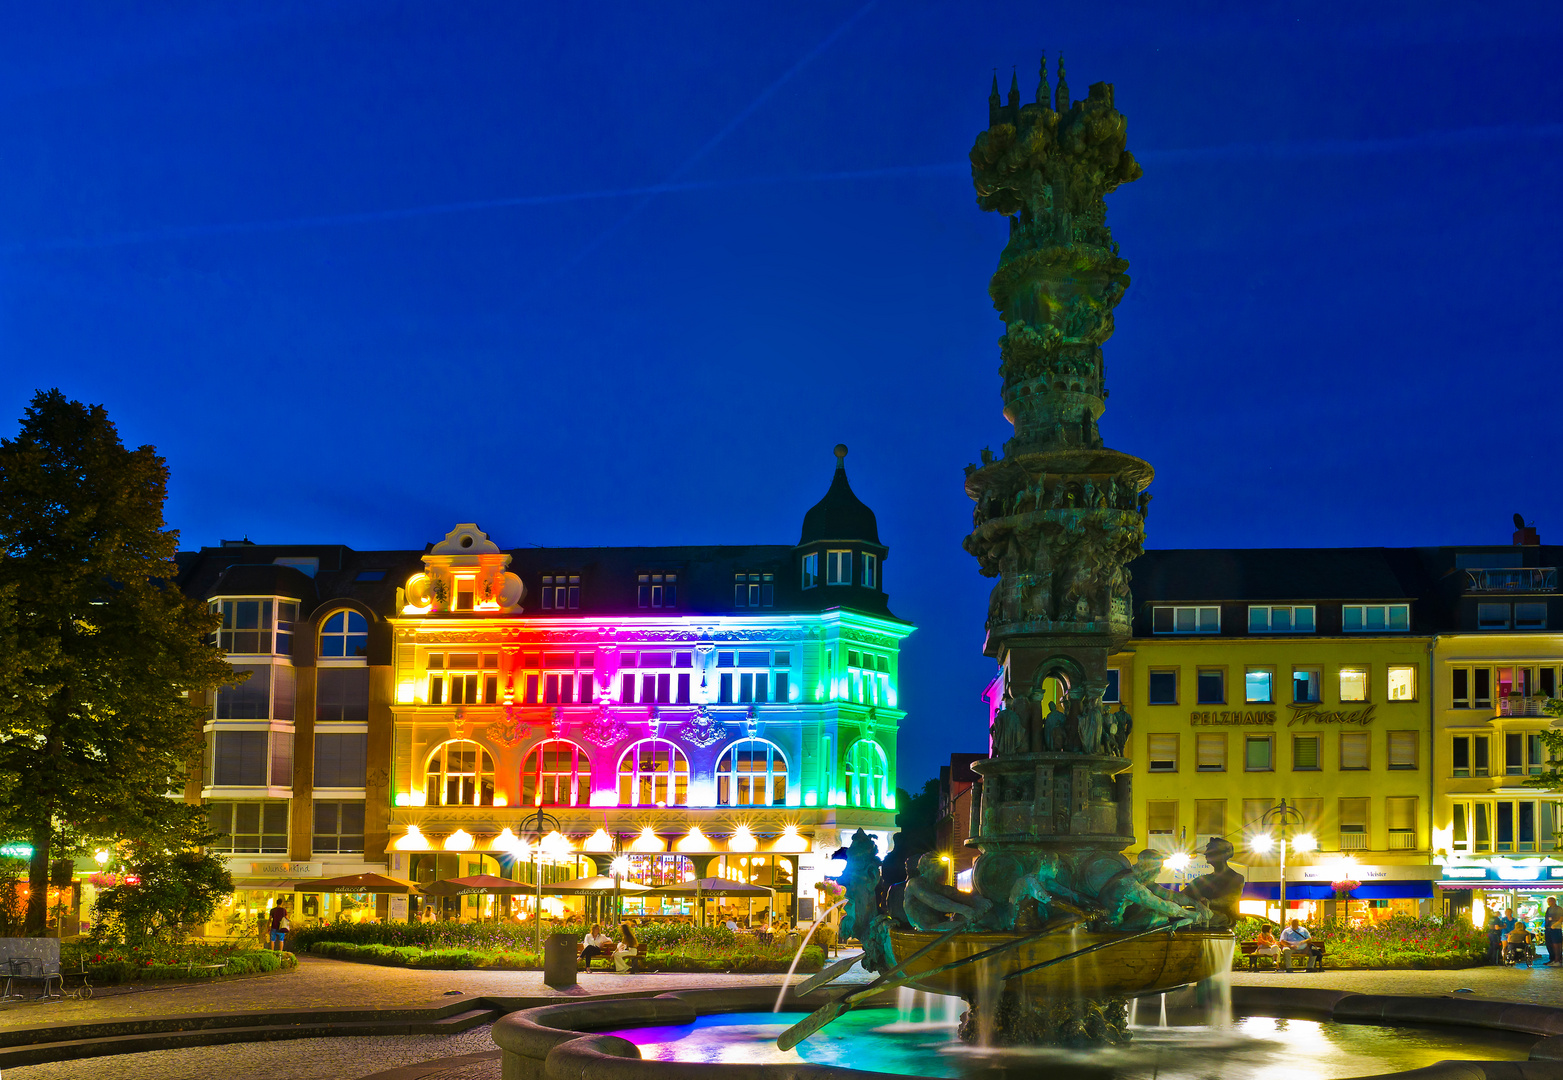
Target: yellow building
(1493, 673)
(1257, 676)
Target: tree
(1551, 778)
(101, 721)
(164, 897)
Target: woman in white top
(594, 944)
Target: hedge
(748, 959)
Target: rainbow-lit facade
(711, 710)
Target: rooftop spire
(993, 100)
(1043, 90)
(1061, 95)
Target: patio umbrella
(476, 883)
(714, 886)
(355, 883)
(593, 886)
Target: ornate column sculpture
(1058, 515)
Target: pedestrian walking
(1552, 931)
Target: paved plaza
(472, 1055)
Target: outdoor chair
(34, 969)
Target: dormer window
(838, 567)
(561, 591)
(754, 590)
(464, 590)
(811, 570)
(657, 590)
(870, 570)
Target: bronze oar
(891, 979)
(829, 975)
(1082, 952)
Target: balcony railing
(1521, 579)
(1354, 841)
(1522, 706)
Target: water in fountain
(918, 1010)
(804, 944)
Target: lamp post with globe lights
(1275, 826)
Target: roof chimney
(1525, 535)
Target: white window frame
(1203, 618)
(838, 566)
(1264, 616)
(754, 590)
(483, 769)
(1248, 695)
(278, 630)
(727, 770)
(344, 637)
(1363, 618)
(867, 774)
(580, 774)
(870, 570)
(665, 784)
(810, 569)
(561, 592)
(656, 590)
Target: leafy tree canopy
(104, 661)
(164, 898)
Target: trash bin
(559, 960)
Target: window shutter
(1212, 753)
(1164, 748)
(1161, 817)
(1354, 751)
(1401, 813)
(1402, 749)
(1354, 815)
(1305, 752)
(1210, 817)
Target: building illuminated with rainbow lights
(705, 711)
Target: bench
(31, 960)
(1312, 961)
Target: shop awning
(590, 886)
(354, 883)
(713, 886)
(477, 883)
(1502, 886)
(1376, 890)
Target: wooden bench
(1312, 961)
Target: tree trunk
(38, 879)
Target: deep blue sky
(364, 270)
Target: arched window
(460, 774)
(751, 772)
(556, 773)
(653, 772)
(866, 774)
(344, 633)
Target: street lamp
(1282, 817)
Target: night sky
(625, 273)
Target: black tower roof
(840, 515)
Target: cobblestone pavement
(300, 1059)
(319, 983)
(1539, 986)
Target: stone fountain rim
(569, 1040)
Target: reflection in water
(1261, 1048)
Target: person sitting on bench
(594, 944)
(1266, 945)
(1295, 940)
(627, 950)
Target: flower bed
(1400, 942)
(499, 937)
(110, 965)
(689, 956)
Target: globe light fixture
(1304, 842)
(1263, 843)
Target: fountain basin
(574, 1040)
(1151, 964)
